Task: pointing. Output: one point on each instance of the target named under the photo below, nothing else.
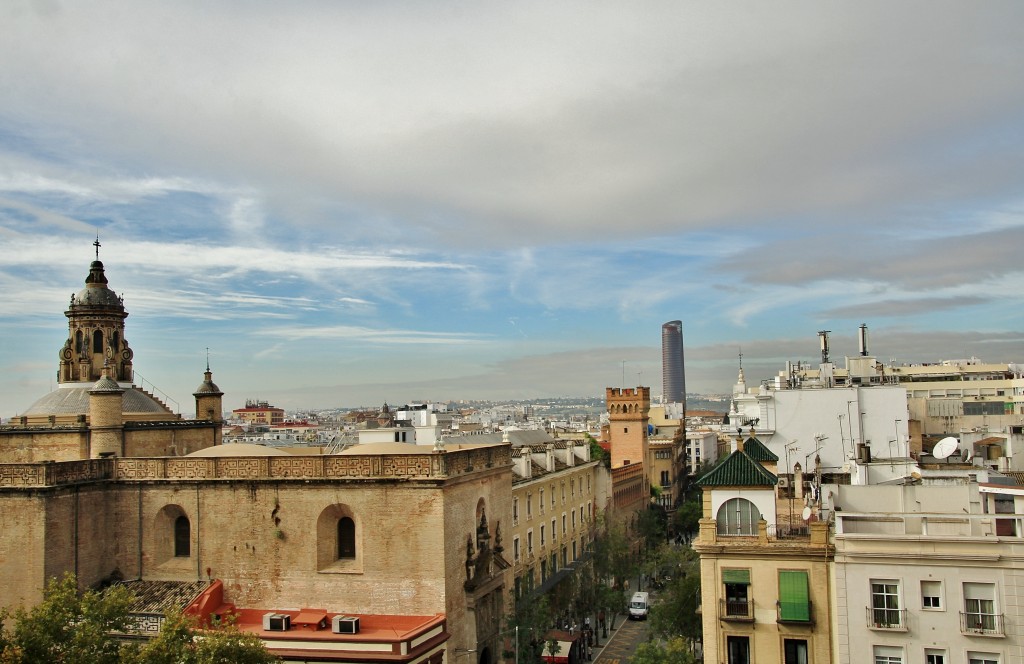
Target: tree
(651, 526)
(686, 520)
(673, 651)
(69, 627)
(529, 621)
(676, 614)
(179, 642)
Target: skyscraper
(673, 378)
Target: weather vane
(97, 245)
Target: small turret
(106, 430)
(209, 402)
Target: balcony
(888, 620)
(981, 624)
(736, 610)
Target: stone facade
(267, 527)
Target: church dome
(75, 401)
(238, 450)
(207, 387)
(96, 293)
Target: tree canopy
(71, 627)
(673, 651)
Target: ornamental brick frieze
(190, 469)
(22, 474)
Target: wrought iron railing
(735, 609)
(985, 624)
(894, 620)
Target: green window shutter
(794, 602)
(736, 576)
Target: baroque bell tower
(95, 332)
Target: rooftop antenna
(623, 374)
(862, 339)
(823, 335)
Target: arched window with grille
(738, 516)
(346, 538)
(182, 537)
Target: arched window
(346, 538)
(738, 516)
(97, 341)
(79, 348)
(115, 341)
(182, 537)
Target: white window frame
(975, 594)
(974, 657)
(933, 593)
(935, 656)
(888, 654)
(887, 607)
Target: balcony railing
(738, 610)
(893, 620)
(981, 624)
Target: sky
(346, 203)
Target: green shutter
(736, 576)
(794, 604)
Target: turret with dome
(94, 360)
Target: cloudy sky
(356, 202)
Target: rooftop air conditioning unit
(276, 622)
(783, 482)
(345, 624)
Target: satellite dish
(968, 454)
(806, 515)
(916, 475)
(945, 447)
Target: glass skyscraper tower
(673, 378)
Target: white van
(638, 606)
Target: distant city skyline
(356, 204)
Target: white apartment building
(927, 573)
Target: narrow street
(622, 641)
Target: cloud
(908, 307)
(371, 336)
(499, 125)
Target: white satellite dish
(945, 447)
(968, 454)
(806, 515)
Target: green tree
(687, 518)
(69, 627)
(179, 642)
(673, 651)
(676, 612)
(651, 526)
(528, 623)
